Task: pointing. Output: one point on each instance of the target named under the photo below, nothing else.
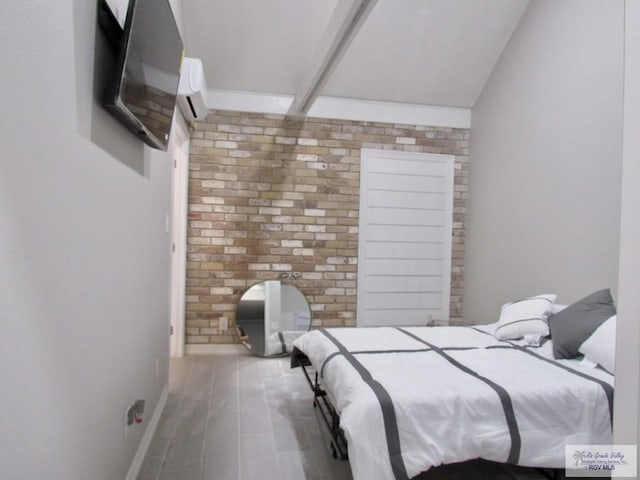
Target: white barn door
(404, 246)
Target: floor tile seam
(208, 419)
(317, 420)
(270, 417)
(238, 437)
(174, 427)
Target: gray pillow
(573, 325)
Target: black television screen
(142, 94)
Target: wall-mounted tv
(149, 49)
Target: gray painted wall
(545, 174)
(84, 257)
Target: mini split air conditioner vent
(192, 90)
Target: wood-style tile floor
(232, 416)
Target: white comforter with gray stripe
(417, 397)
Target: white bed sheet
(443, 413)
(274, 344)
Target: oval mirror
(270, 316)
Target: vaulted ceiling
(425, 52)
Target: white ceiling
(425, 52)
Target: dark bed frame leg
(331, 418)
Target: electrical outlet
(133, 415)
(224, 324)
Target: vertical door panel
(404, 257)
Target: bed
(281, 343)
(412, 398)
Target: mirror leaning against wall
(270, 316)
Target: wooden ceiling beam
(345, 22)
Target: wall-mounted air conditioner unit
(192, 90)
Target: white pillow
(557, 308)
(525, 317)
(600, 347)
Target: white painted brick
(312, 275)
(201, 143)
(239, 154)
(221, 241)
(326, 236)
(235, 282)
(317, 165)
(269, 211)
(229, 128)
(212, 200)
(199, 241)
(222, 307)
(315, 212)
(334, 276)
(212, 184)
(310, 142)
(306, 188)
(325, 268)
(291, 243)
(199, 224)
(271, 227)
(253, 130)
(303, 251)
(283, 203)
(225, 144)
(235, 250)
(259, 266)
(224, 209)
(282, 219)
(194, 207)
(334, 291)
(211, 233)
(286, 140)
(293, 196)
(221, 291)
(238, 137)
(339, 151)
(307, 157)
(337, 260)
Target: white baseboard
(213, 348)
(136, 464)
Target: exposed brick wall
(272, 197)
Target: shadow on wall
(94, 69)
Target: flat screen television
(149, 49)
